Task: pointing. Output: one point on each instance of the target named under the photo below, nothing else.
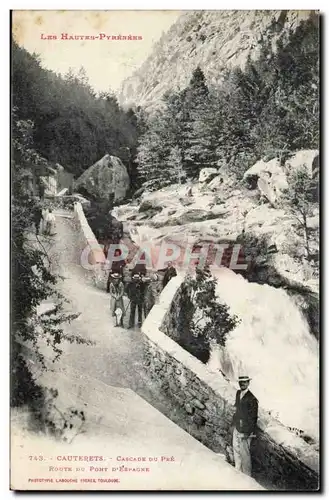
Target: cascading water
(273, 345)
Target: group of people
(44, 220)
(140, 295)
(139, 289)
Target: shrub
(202, 317)
(33, 281)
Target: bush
(32, 279)
(202, 317)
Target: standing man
(136, 296)
(149, 299)
(50, 220)
(116, 267)
(37, 216)
(169, 273)
(244, 425)
(41, 188)
(117, 291)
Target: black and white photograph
(165, 256)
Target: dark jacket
(246, 413)
(170, 273)
(136, 291)
(37, 215)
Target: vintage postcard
(165, 250)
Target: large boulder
(207, 174)
(269, 177)
(107, 178)
(308, 158)
(222, 181)
(272, 167)
(266, 189)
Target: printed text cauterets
(77, 458)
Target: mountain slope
(213, 40)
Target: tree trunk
(306, 238)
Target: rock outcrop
(271, 177)
(213, 40)
(107, 178)
(207, 174)
(307, 157)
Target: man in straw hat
(244, 425)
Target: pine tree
(300, 197)
(289, 116)
(230, 115)
(153, 151)
(197, 86)
(177, 118)
(199, 148)
(175, 165)
(162, 144)
(70, 75)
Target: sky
(107, 62)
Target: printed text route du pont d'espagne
(100, 36)
(126, 464)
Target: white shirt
(243, 393)
(50, 217)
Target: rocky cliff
(213, 40)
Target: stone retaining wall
(91, 254)
(281, 459)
